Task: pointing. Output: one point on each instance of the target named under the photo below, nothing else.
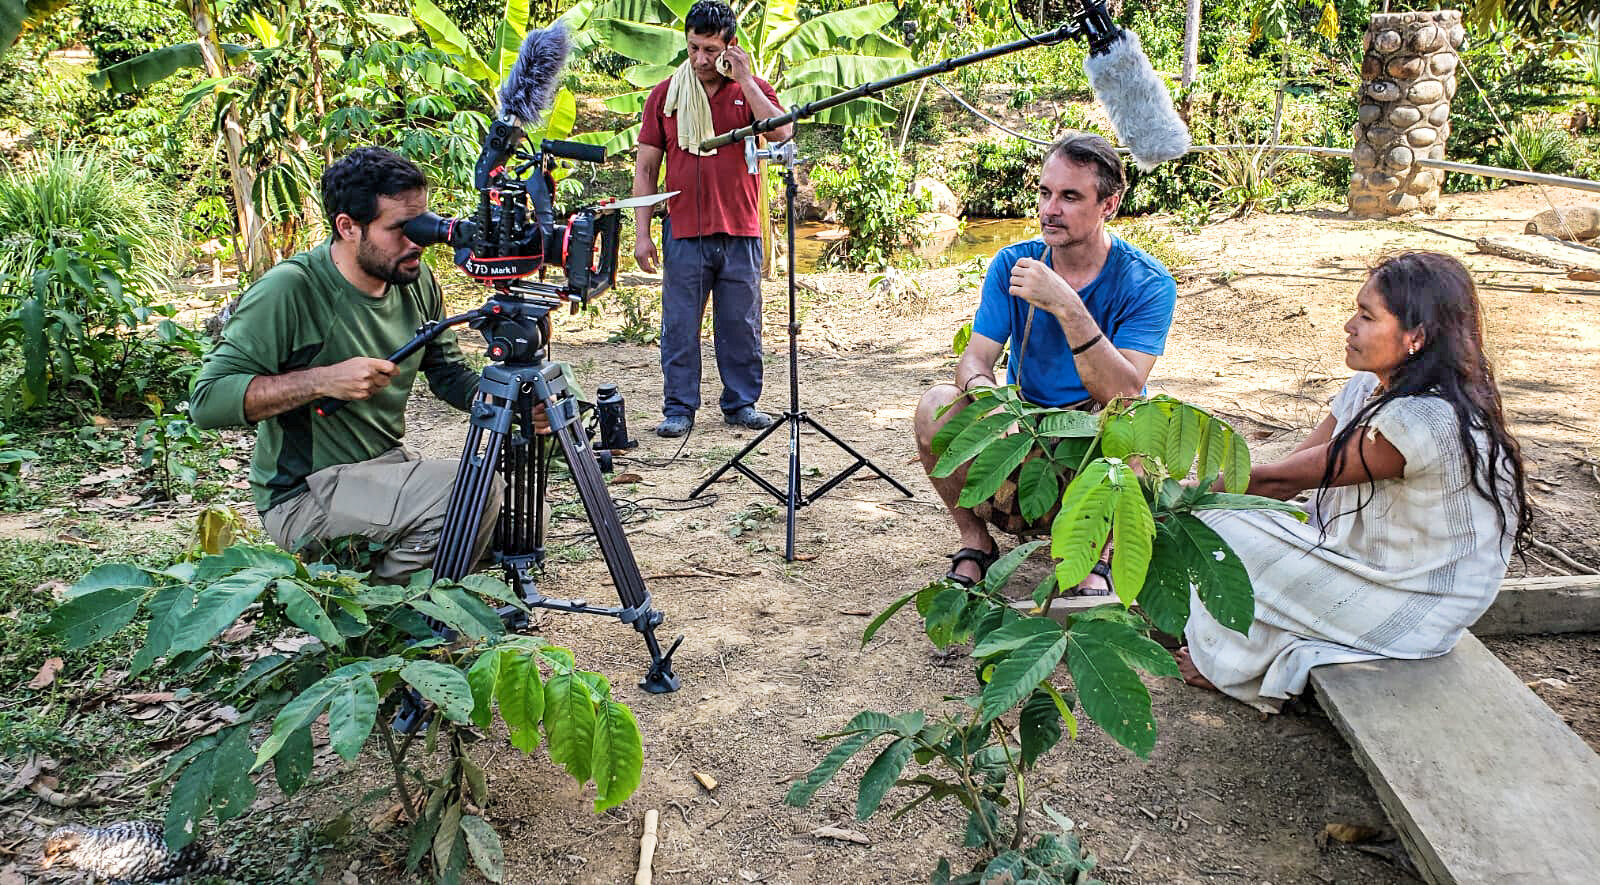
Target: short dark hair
(1088, 149)
(711, 18)
(353, 185)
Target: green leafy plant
(872, 187)
(997, 178)
(12, 460)
(171, 442)
(367, 651)
(1116, 476)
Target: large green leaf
(1215, 572)
(646, 43)
(839, 73)
(1226, 501)
(1119, 439)
(293, 763)
(1152, 427)
(646, 77)
(115, 574)
(444, 685)
(1165, 596)
(952, 428)
(1134, 528)
(778, 21)
(862, 112)
(241, 556)
(87, 619)
(993, 466)
(885, 615)
(1014, 635)
(1137, 650)
(1069, 423)
(1038, 488)
(446, 36)
(218, 606)
(1038, 727)
(305, 707)
(521, 696)
(995, 579)
(618, 757)
(881, 775)
(166, 609)
(569, 724)
(352, 711)
(482, 678)
(1183, 440)
(143, 71)
(627, 103)
(1022, 670)
(305, 612)
(392, 25)
(971, 441)
(508, 35)
(1111, 693)
(825, 32)
(1080, 530)
(802, 790)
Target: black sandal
(1102, 569)
(981, 558)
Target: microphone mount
(1092, 23)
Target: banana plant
(803, 60)
(1136, 474)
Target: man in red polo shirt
(711, 236)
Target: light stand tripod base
(791, 496)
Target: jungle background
(159, 157)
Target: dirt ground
(772, 655)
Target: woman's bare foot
(1190, 673)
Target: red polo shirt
(716, 194)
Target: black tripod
(792, 497)
(503, 447)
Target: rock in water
(128, 851)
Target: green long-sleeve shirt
(303, 313)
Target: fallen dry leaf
(238, 632)
(228, 464)
(56, 589)
(1584, 276)
(385, 820)
(239, 484)
(841, 835)
(1544, 289)
(148, 713)
(25, 775)
(105, 476)
(1349, 834)
(148, 697)
(47, 673)
(626, 478)
(706, 780)
(123, 501)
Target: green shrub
(872, 188)
(1537, 148)
(998, 178)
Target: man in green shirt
(310, 328)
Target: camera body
(513, 234)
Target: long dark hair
(1435, 293)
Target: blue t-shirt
(1131, 300)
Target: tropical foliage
(1136, 476)
(365, 655)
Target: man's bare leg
(973, 531)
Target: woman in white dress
(1417, 501)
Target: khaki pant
(397, 500)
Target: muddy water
(978, 238)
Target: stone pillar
(1408, 78)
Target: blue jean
(728, 270)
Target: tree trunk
(317, 88)
(1191, 54)
(254, 260)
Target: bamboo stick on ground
(647, 847)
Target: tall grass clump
(54, 200)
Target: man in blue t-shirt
(1085, 313)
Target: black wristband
(1087, 344)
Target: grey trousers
(397, 500)
(726, 269)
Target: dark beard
(390, 273)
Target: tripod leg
(480, 460)
(794, 499)
(861, 461)
(618, 555)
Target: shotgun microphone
(1136, 99)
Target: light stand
(793, 498)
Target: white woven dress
(1403, 578)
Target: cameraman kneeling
(308, 329)
(1086, 313)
